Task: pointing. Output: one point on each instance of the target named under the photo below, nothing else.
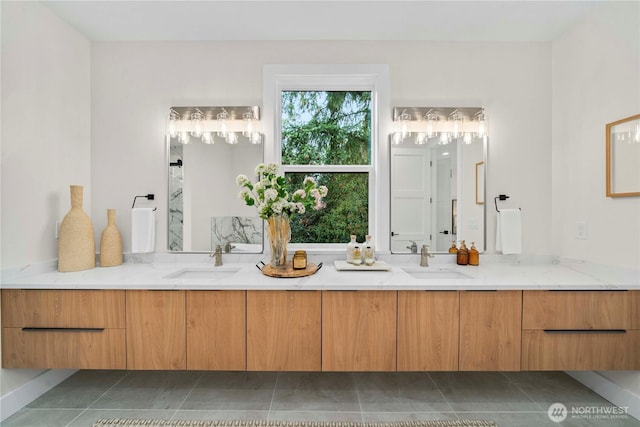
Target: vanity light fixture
(423, 125)
(231, 124)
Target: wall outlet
(58, 225)
(581, 230)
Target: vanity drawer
(576, 310)
(63, 349)
(580, 350)
(635, 309)
(63, 308)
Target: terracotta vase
(279, 233)
(76, 244)
(110, 242)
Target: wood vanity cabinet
(580, 330)
(359, 330)
(63, 329)
(428, 328)
(635, 310)
(490, 330)
(216, 330)
(156, 333)
(283, 330)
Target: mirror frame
(611, 159)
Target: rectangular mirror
(437, 189)
(204, 210)
(623, 157)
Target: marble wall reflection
(176, 210)
(243, 232)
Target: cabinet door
(428, 327)
(283, 330)
(63, 329)
(156, 335)
(359, 330)
(635, 309)
(490, 330)
(216, 330)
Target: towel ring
(500, 197)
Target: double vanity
(194, 316)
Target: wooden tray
(288, 271)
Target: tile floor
(510, 399)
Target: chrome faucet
(217, 256)
(424, 256)
(228, 247)
(413, 247)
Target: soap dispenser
(474, 255)
(453, 249)
(350, 246)
(368, 251)
(463, 254)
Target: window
(326, 123)
(321, 130)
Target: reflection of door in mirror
(410, 198)
(203, 203)
(426, 179)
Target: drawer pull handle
(585, 331)
(62, 329)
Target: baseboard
(609, 390)
(17, 399)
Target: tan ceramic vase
(110, 242)
(76, 244)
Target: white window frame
(345, 77)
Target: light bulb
(196, 124)
(444, 138)
(173, 117)
(396, 138)
(467, 138)
(232, 138)
(184, 137)
(255, 138)
(222, 120)
(421, 138)
(248, 124)
(207, 138)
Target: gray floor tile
(79, 390)
(315, 391)
(87, 418)
(399, 392)
(482, 391)
(41, 418)
(546, 388)
(390, 417)
(149, 390)
(207, 415)
(232, 391)
(328, 416)
(511, 419)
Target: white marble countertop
(164, 272)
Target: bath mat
(124, 422)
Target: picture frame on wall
(623, 157)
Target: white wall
(134, 84)
(45, 136)
(596, 80)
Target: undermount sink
(210, 273)
(429, 273)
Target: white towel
(509, 231)
(143, 230)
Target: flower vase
(76, 244)
(279, 233)
(110, 242)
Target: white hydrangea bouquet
(271, 196)
(275, 204)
